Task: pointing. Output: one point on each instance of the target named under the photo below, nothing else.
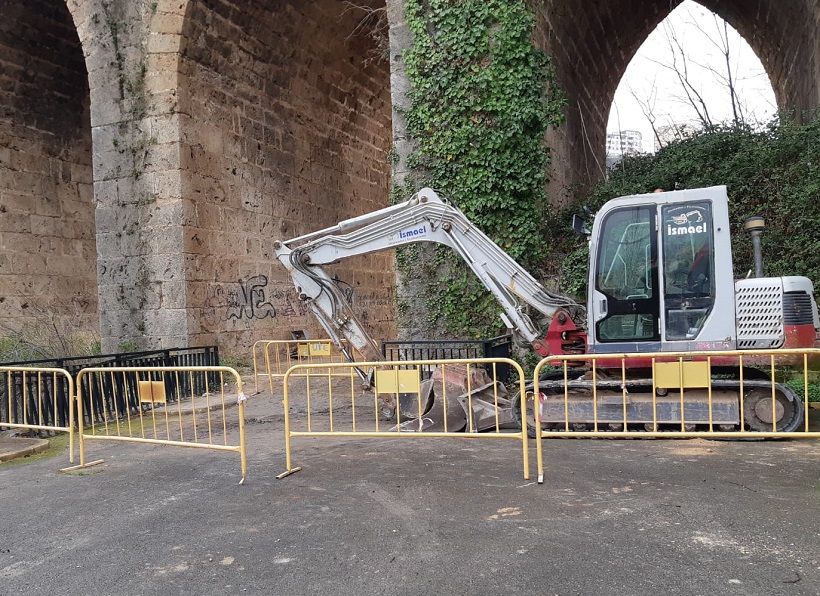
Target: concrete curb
(14, 447)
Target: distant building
(624, 142)
(673, 132)
(665, 135)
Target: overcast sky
(650, 78)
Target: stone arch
(48, 256)
(784, 35)
(593, 43)
(132, 52)
(286, 128)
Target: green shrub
(46, 337)
(773, 172)
(797, 385)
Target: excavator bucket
(410, 404)
(453, 395)
(489, 408)
(436, 408)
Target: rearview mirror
(580, 226)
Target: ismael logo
(686, 223)
(410, 233)
(699, 229)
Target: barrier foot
(241, 482)
(288, 473)
(540, 479)
(83, 466)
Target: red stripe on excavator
(800, 336)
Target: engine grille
(797, 309)
(759, 307)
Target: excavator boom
(423, 218)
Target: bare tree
(679, 64)
(727, 75)
(373, 25)
(694, 82)
(647, 106)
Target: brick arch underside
(47, 233)
(286, 129)
(593, 42)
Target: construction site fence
(496, 347)
(462, 399)
(199, 356)
(106, 393)
(37, 399)
(140, 408)
(272, 357)
(709, 394)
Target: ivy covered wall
(480, 102)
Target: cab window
(625, 274)
(688, 266)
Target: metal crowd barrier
(279, 355)
(464, 399)
(141, 410)
(37, 399)
(688, 395)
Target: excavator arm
(425, 218)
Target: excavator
(660, 279)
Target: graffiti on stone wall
(250, 299)
(255, 299)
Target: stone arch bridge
(150, 152)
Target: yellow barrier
(139, 408)
(721, 394)
(38, 399)
(463, 399)
(286, 353)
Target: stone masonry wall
(286, 129)
(47, 231)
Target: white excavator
(660, 280)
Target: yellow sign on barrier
(152, 392)
(186, 407)
(462, 399)
(398, 381)
(684, 374)
(38, 399)
(314, 349)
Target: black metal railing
(497, 347)
(102, 394)
(33, 399)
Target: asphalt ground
(437, 516)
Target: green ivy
(773, 172)
(482, 98)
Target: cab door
(688, 250)
(625, 297)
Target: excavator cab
(661, 273)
